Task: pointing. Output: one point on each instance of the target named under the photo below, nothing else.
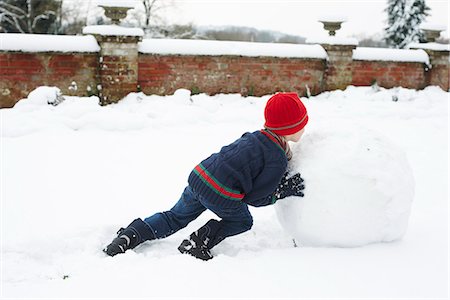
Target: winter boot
(128, 238)
(200, 242)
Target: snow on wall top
(47, 43)
(113, 30)
(202, 47)
(383, 54)
(430, 46)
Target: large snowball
(359, 189)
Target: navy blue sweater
(248, 170)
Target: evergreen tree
(394, 32)
(404, 19)
(417, 13)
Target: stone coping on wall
(12, 42)
(20, 42)
(220, 48)
(385, 54)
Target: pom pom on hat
(285, 114)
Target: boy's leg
(128, 238)
(234, 221)
(157, 226)
(187, 209)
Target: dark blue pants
(233, 220)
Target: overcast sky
(297, 17)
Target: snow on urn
(359, 189)
(432, 32)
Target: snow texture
(201, 47)
(73, 174)
(430, 46)
(360, 188)
(114, 30)
(44, 95)
(333, 18)
(382, 54)
(332, 40)
(47, 43)
(433, 26)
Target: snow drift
(74, 173)
(359, 188)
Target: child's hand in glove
(292, 186)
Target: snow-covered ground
(72, 174)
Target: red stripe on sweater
(216, 186)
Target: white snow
(114, 30)
(117, 3)
(430, 46)
(203, 47)
(332, 40)
(47, 43)
(384, 54)
(433, 26)
(332, 18)
(73, 174)
(43, 95)
(360, 188)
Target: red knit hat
(285, 114)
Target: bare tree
(151, 10)
(73, 16)
(29, 16)
(150, 7)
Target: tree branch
(11, 20)
(44, 16)
(12, 7)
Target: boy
(246, 172)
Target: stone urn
(431, 34)
(116, 13)
(331, 26)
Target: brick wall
(389, 74)
(440, 71)
(20, 73)
(119, 72)
(163, 74)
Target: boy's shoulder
(255, 134)
(257, 139)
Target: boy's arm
(292, 186)
(268, 200)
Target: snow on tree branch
(404, 19)
(28, 16)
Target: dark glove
(292, 186)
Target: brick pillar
(339, 68)
(439, 74)
(118, 61)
